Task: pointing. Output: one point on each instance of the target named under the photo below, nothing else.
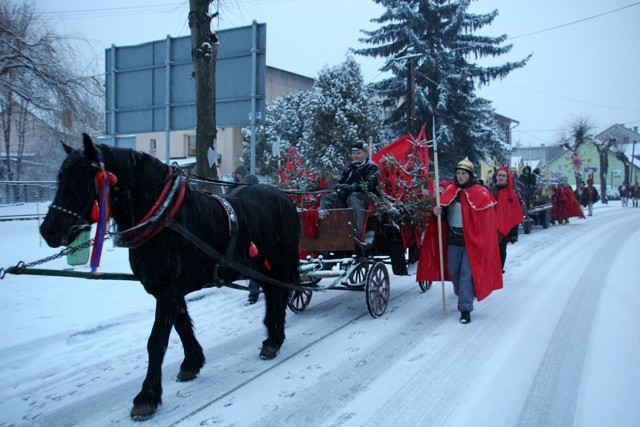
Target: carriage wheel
(359, 275)
(299, 300)
(546, 219)
(425, 285)
(377, 289)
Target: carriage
(350, 264)
(329, 250)
(536, 206)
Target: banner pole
(439, 217)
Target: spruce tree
(429, 46)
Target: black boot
(253, 298)
(465, 317)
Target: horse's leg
(147, 401)
(193, 355)
(276, 301)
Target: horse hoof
(186, 375)
(142, 411)
(268, 352)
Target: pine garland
(402, 196)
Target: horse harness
(162, 215)
(164, 209)
(225, 260)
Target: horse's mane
(128, 164)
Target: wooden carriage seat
(335, 231)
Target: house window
(153, 145)
(191, 145)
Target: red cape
(428, 269)
(573, 206)
(429, 261)
(508, 210)
(480, 236)
(564, 204)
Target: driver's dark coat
(364, 172)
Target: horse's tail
(294, 275)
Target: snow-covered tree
(41, 83)
(429, 46)
(344, 113)
(286, 124)
(321, 124)
(604, 148)
(579, 129)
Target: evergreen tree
(321, 124)
(285, 125)
(428, 46)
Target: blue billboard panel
(148, 83)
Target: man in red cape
(473, 258)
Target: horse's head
(76, 195)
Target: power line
(575, 22)
(116, 11)
(529, 132)
(572, 99)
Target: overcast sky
(586, 60)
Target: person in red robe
(508, 210)
(564, 204)
(473, 258)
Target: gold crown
(465, 164)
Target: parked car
(613, 194)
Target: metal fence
(27, 191)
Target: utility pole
(411, 84)
(204, 51)
(632, 173)
(411, 103)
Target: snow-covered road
(559, 345)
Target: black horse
(156, 212)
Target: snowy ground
(558, 346)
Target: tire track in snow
(445, 379)
(553, 397)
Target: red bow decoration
(253, 250)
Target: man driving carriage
(528, 182)
(359, 175)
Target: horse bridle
(84, 222)
(67, 211)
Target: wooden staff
(439, 217)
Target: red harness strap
(155, 220)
